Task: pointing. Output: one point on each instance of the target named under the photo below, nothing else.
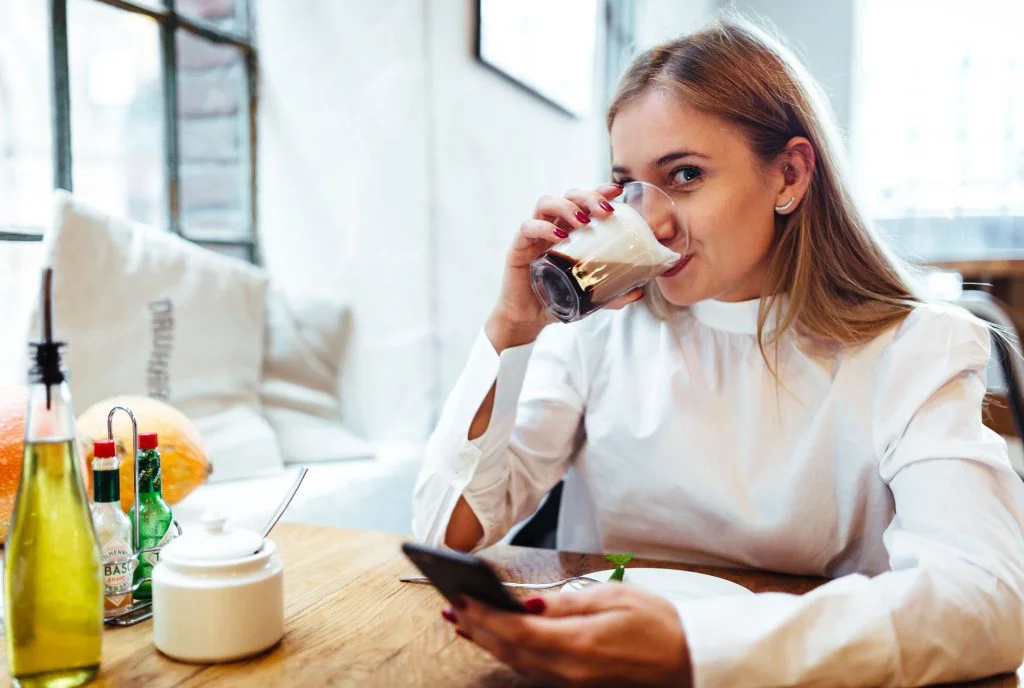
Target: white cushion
(362, 494)
(148, 313)
(306, 338)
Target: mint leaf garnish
(620, 561)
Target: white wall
(822, 33)
(663, 20)
(383, 143)
(394, 170)
(495, 150)
(343, 200)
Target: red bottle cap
(104, 449)
(147, 440)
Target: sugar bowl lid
(213, 542)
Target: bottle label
(149, 471)
(152, 558)
(118, 569)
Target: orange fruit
(183, 462)
(13, 400)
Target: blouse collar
(738, 316)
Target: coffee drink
(598, 263)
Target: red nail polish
(535, 605)
(581, 217)
(559, 232)
(607, 206)
(448, 615)
(462, 633)
(459, 603)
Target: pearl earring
(785, 206)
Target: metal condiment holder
(139, 610)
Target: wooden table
(350, 622)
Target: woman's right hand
(518, 317)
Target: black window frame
(169, 21)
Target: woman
(780, 400)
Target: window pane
(19, 284)
(940, 113)
(225, 14)
(117, 109)
(26, 146)
(213, 131)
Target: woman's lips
(678, 267)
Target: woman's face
(721, 188)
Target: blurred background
(384, 152)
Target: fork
(576, 583)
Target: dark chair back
(1005, 349)
(541, 528)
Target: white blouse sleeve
(951, 606)
(504, 473)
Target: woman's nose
(664, 224)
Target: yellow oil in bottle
(53, 579)
(53, 587)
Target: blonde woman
(780, 400)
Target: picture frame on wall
(547, 47)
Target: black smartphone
(455, 574)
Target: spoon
(283, 506)
(576, 583)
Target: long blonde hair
(841, 283)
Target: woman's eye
(685, 175)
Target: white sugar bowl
(213, 599)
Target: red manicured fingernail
(581, 217)
(448, 615)
(459, 603)
(462, 633)
(559, 232)
(617, 185)
(535, 605)
(607, 206)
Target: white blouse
(868, 465)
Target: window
(620, 43)
(939, 124)
(143, 108)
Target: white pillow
(148, 313)
(306, 338)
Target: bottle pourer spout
(47, 368)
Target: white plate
(675, 585)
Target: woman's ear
(796, 167)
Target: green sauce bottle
(154, 513)
(53, 573)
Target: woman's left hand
(610, 634)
